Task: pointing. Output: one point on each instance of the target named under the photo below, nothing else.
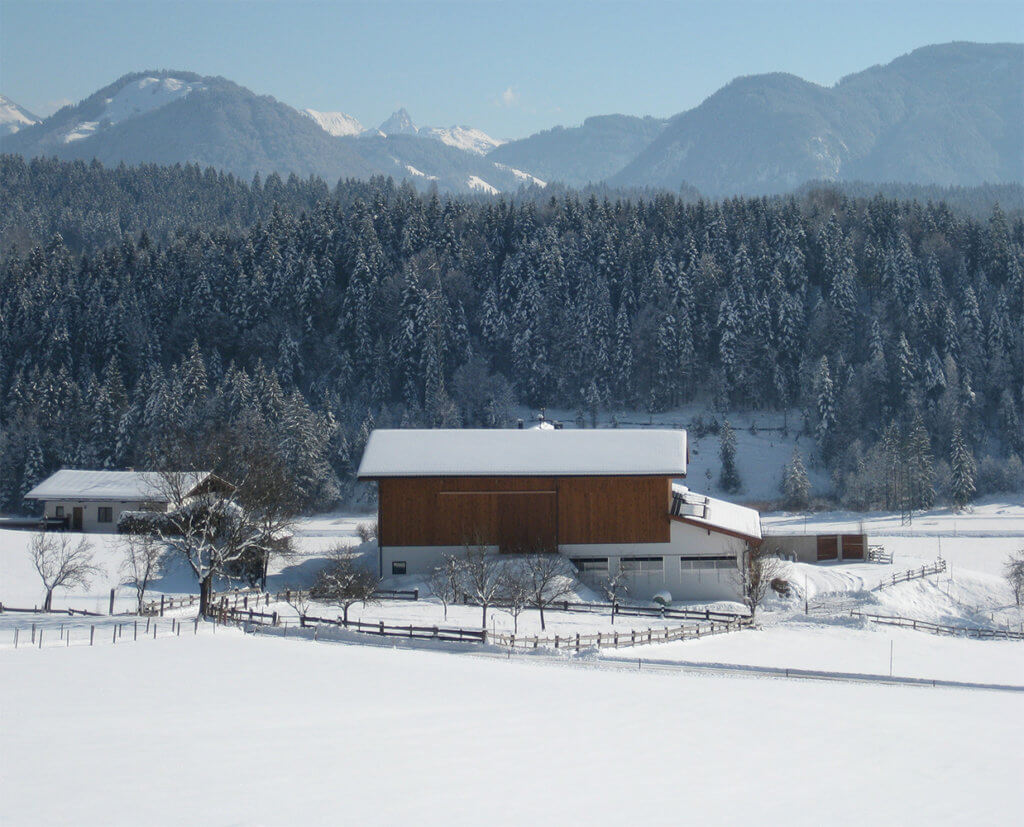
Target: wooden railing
(615, 640)
(940, 629)
(878, 554)
(937, 567)
(394, 630)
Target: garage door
(828, 547)
(853, 546)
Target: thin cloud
(509, 98)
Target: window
(104, 514)
(648, 565)
(58, 511)
(706, 563)
(591, 564)
(398, 566)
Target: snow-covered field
(291, 731)
(242, 730)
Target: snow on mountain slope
(336, 123)
(132, 99)
(475, 182)
(525, 177)
(413, 171)
(462, 137)
(14, 117)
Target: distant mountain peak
(14, 117)
(398, 124)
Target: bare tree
(615, 586)
(61, 562)
(444, 580)
(143, 560)
(299, 599)
(481, 576)
(549, 580)
(760, 567)
(344, 583)
(204, 525)
(1014, 570)
(516, 591)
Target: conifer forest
(139, 300)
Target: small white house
(93, 501)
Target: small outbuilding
(93, 501)
(607, 499)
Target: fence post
(382, 628)
(577, 641)
(16, 638)
(598, 640)
(33, 633)
(92, 633)
(416, 593)
(111, 602)
(616, 639)
(162, 598)
(556, 641)
(195, 626)
(135, 632)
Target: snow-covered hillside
(336, 123)
(475, 182)
(134, 98)
(462, 137)
(14, 117)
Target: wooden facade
(520, 513)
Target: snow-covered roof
(715, 514)
(527, 452)
(148, 486)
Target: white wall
(90, 513)
(685, 540)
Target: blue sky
(510, 68)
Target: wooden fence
(937, 567)
(615, 640)
(878, 554)
(394, 630)
(254, 598)
(37, 610)
(940, 629)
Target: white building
(93, 501)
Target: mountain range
(950, 114)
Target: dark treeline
(891, 324)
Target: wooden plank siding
(511, 512)
(853, 546)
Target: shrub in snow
(367, 531)
(1014, 569)
(663, 598)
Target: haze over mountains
(951, 114)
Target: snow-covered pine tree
(826, 408)
(796, 487)
(729, 475)
(963, 469)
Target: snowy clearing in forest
(277, 731)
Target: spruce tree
(729, 476)
(963, 470)
(796, 487)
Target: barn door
(828, 547)
(76, 518)
(527, 521)
(853, 546)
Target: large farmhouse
(94, 500)
(604, 498)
